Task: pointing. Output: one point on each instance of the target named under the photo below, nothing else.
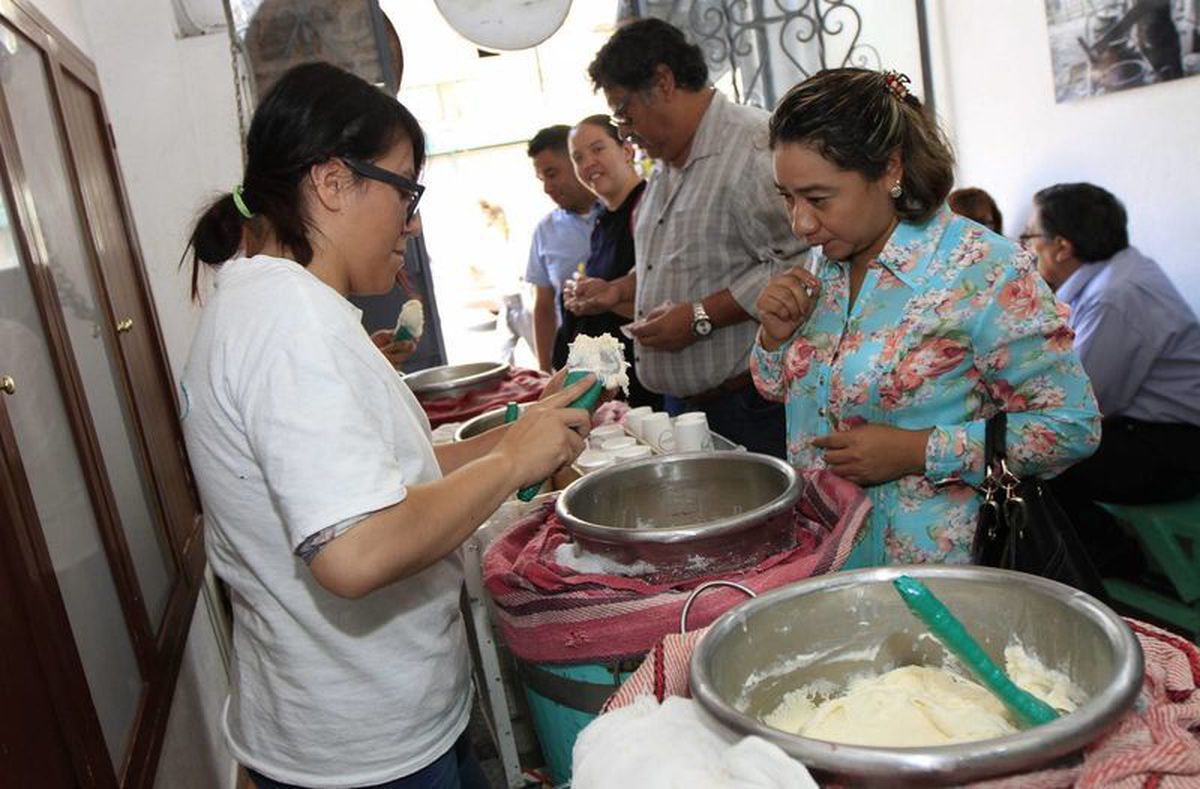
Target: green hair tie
(240, 203)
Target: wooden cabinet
(100, 540)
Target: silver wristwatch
(702, 325)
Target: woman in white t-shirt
(330, 514)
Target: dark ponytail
(314, 113)
(216, 237)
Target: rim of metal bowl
(463, 431)
(491, 371)
(617, 534)
(968, 760)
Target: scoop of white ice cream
(412, 319)
(603, 355)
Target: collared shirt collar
(707, 142)
(1075, 285)
(588, 219)
(909, 251)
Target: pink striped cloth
(548, 613)
(1155, 746)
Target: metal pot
(482, 423)
(685, 514)
(452, 380)
(834, 627)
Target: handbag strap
(994, 439)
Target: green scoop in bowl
(1028, 709)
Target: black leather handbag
(1022, 527)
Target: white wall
(996, 92)
(194, 754)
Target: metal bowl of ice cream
(691, 513)
(452, 380)
(482, 423)
(831, 629)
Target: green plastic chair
(1170, 536)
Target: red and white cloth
(548, 613)
(519, 385)
(1155, 746)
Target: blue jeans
(457, 768)
(742, 416)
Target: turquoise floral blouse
(952, 323)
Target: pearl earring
(896, 191)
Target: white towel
(673, 746)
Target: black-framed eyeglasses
(1025, 238)
(410, 191)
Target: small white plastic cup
(692, 433)
(656, 431)
(614, 444)
(632, 453)
(592, 459)
(633, 419)
(603, 433)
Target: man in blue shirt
(562, 240)
(1139, 342)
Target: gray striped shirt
(716, 223)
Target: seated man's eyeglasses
(410, 191)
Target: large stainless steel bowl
(689, 513)
(451, 380)
(481, 424)
(836, 626)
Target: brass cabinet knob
(124, 325)
(8, 385)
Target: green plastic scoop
(1028, 709)
(586, 400)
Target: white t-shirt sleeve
(320, 425)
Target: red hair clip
(896, 84)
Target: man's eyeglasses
(410, 191)
(618, 116)
(1025, 238)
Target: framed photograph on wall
(1104, 46)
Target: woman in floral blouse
(913, 327)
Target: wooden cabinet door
(131, 308)
(99, 520)
(33, 749)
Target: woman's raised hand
(397, 351)
(785, 304)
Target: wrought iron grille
(767, 46)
